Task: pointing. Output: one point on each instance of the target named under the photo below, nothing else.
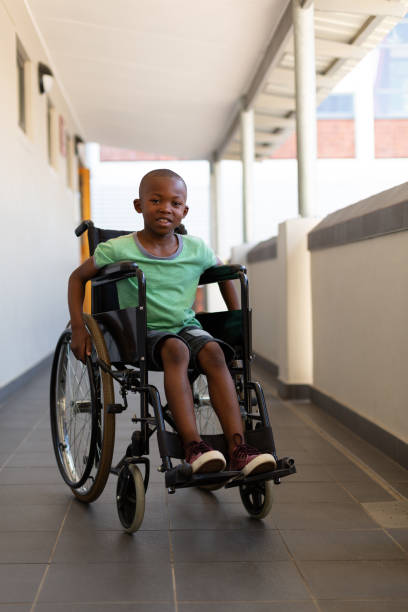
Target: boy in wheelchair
(176, 341)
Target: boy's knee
(211, 356)
(174, 351)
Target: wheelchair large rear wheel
(206, 418)
(82, 430)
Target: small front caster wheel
(130, 497)
(257, 498)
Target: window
(21, 57)
(391, 86)
(337, 106)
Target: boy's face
(162, 204)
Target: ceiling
(170, 76)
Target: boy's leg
(175, 357)
(223, 395)
(222, 391)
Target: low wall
(359, 258)
(330, 315)
(263, 273)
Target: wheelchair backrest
(104, 298)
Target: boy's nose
(165, 205)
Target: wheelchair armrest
(218, 274)
(118, 271)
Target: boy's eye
(177, 204)
(154, 200)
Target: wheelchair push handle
(82, 227)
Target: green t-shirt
(171, 282)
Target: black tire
(83, 432)
(257, 498)
(130, 497)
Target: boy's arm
(81, 344)
(229, 292)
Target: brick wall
(335, 139)
(391, 137)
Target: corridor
(336, 539)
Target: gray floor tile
(322, 516)
(223, 516)
(104, 517)
(35, 445)
(341, 545)
(32, 459)
(31, 518)
(401, 535)
(348, 473)
(250, 606)
(105, 607)
(363, 606)
(402, 487)
(15, 607)
(222, 546)
(49, 494)
(30, 475)
(295, 492)
(359, 579)
(113, 547)
(19, 583)
(3, 458)
(310, 473)
(249, 582)
(367, 491)
(26, 546)
(107, 582)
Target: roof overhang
(172, 77)
(345, 32)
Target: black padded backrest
(97, 235)
(104, 298)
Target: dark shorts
(193, 337)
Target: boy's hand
(81, 343)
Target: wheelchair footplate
(182, 476)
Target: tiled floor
(320, 548)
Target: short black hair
(160, 172)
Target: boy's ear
(185, 211)
(137, 205)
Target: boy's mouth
(163, 221)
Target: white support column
(364, 108)
(214, 301)
(248, 158)
(215, 199)
(305, 78)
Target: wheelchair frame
(113, 324)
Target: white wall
(39, 211)
(360, 332)
(114, 186)
(340, 182)
(265, 301)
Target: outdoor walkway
(336, 539)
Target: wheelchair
(83, 405)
